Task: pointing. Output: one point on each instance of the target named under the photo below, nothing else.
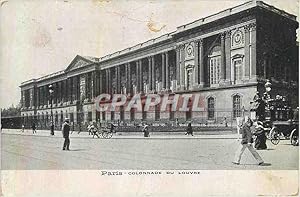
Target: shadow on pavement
(77, 149)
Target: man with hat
(66, 132)
(247, 143)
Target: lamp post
(51, 91)
(267, 98)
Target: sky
(41, 37)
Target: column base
(197, 86)
(225, 82)
(253, 78)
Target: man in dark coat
(66, 132)
(33, 128)
(247, 143)
(189, 129)
(261, 138)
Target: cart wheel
(275, 138)
(109, 134)
(294, 138)
(104, 134)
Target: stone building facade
(225, 57)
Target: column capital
(253, 27)
(200, 42)
(222, 34)
(227, 34)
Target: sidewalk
(131, 135)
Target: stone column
(153, 73)
(228, 57)
(253, 74)
(37, 97)
(129, 83)
(94, 84)
(99, 82)
(150, 73)
(44, 95)
(223, 59)
(201, 64)
(163, 72)
(196, 73)
(118, 79)
(60, 91)
(107, 90)
(141, 76)
(137, 72)
(247, 52)
(178, 66)
(182, 68)
(66, 91)
(167, 77)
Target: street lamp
(268, 86)
(51, 91)
(267, 98)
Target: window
(214, 65)
(238, 69)
(144, 113)
(211, 108)
(89, 116)
(112, 115)
(103, 115)
(237, 106)
(61, 117)
(132, 116)
(71, 117)
(189, 78)
(122, 113)
(157, 112)
(97, 116)
(172, 113)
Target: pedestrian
(66, 132)
(52, 128)
(145, 130)
(246, 143)
(112, 128)
(261, 138)
(189, 129)
(23, 127)
(94, 129)
(225, 122)
(33, 128)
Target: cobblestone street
(211, 152)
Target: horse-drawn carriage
(279, 120)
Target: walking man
(189, 129)
(66, 132)
(247, 143)
(33, 128)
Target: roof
(165, 37)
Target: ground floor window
(112, 115)
(71, 117)
(103, 115)
(211, 108)
(188, 115)
(122, 113)
(237, 106)
(90, 116)
(132, 115)
(97, 116)
(157, 112)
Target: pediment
(78, 62)
(237, 56)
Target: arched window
(211, 108)
(237, 106)
(214, 61)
